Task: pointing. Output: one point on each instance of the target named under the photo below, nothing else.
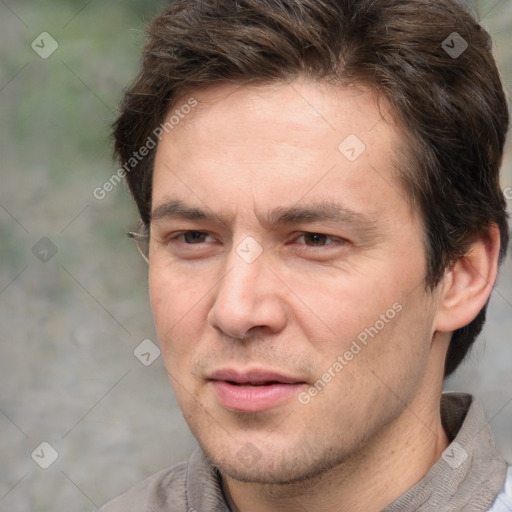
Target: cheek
(342, 310)
(174, 291)
(178, 306)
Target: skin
(240, 154)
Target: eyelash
(174, 238)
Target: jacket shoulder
(163, 491)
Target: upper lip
(253, 376)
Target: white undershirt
(503, 501)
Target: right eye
(189, 237)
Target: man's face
(292, 339)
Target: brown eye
(315, 239)
(319, 239)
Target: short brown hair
(451, 104)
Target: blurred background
(82, 418)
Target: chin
(272, 468)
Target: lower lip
(253, 398)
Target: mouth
(253, 390)
(252, 384)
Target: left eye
(319, 239)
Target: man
(321, 213)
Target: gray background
(69, 326)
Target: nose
(248, 300)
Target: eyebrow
(322, 211)
(177, 208)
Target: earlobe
(468, 283)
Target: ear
(466, 286)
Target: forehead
(273, 144)
(301, 102)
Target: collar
(470, 473)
